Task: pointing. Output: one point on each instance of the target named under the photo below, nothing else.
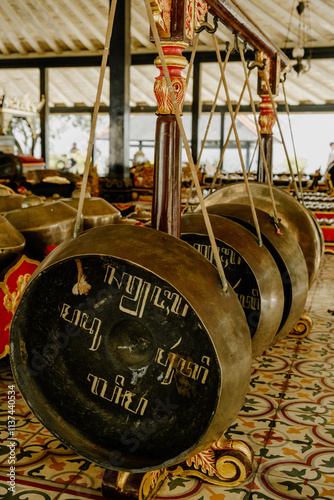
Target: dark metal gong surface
(249, 268)
(116, 347)
(292, 213)
(287, 254)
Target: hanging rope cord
(265, 78)
(213, 108)
(227, 139)
(228, 101)
(293, 145)
(95, 115)
(265, 165)
(186, 146)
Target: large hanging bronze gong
(250, 269)
(287, 254)
(292, 213)
(118, 348)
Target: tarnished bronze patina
(12, 242)
(9, 201)
(43, 224)
(287, 254)
(128, 362)
(291, 212)
(96, 211)
(250, 269)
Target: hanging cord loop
(186, 146)
(293, 142)
(265, 165)
(95, 115)
(228, 100)
(280, 130)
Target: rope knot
(276, 221)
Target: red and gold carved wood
(176, 22)
(267, 117)
(11, 289)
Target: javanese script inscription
(84, 321)
(117, 394)
(137, 293)
(175, 363)
(250, 301)
(227, 255)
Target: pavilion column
(267, 118)
(196, 110)
(44, 114)
(119, 108)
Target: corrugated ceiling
(62, 28)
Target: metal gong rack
(128, 344)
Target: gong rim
(261, 270)
(12, 242)
(43, 225)
(95, 211)
(292, 213)
(120, 241)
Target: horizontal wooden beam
(206, 108)
(237, 21)
(146, 58)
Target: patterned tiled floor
(287, 418)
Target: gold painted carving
(267, 117)
(161, 10)
(201, 9)
(151, 483)
(225, 462)
(165, 105)
(190, 19)
(176, 62)
(11, 299)
(303, 327)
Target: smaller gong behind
(291, 212)
(250, 269)
(43, 224)
(287, 254)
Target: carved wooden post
(176, 30)
(267, 117)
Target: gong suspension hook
(283, 77)
(206, 26)
(256, 64)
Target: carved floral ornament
(162, 14)
(271, 75)
(176, 62)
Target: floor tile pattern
(287, 418)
